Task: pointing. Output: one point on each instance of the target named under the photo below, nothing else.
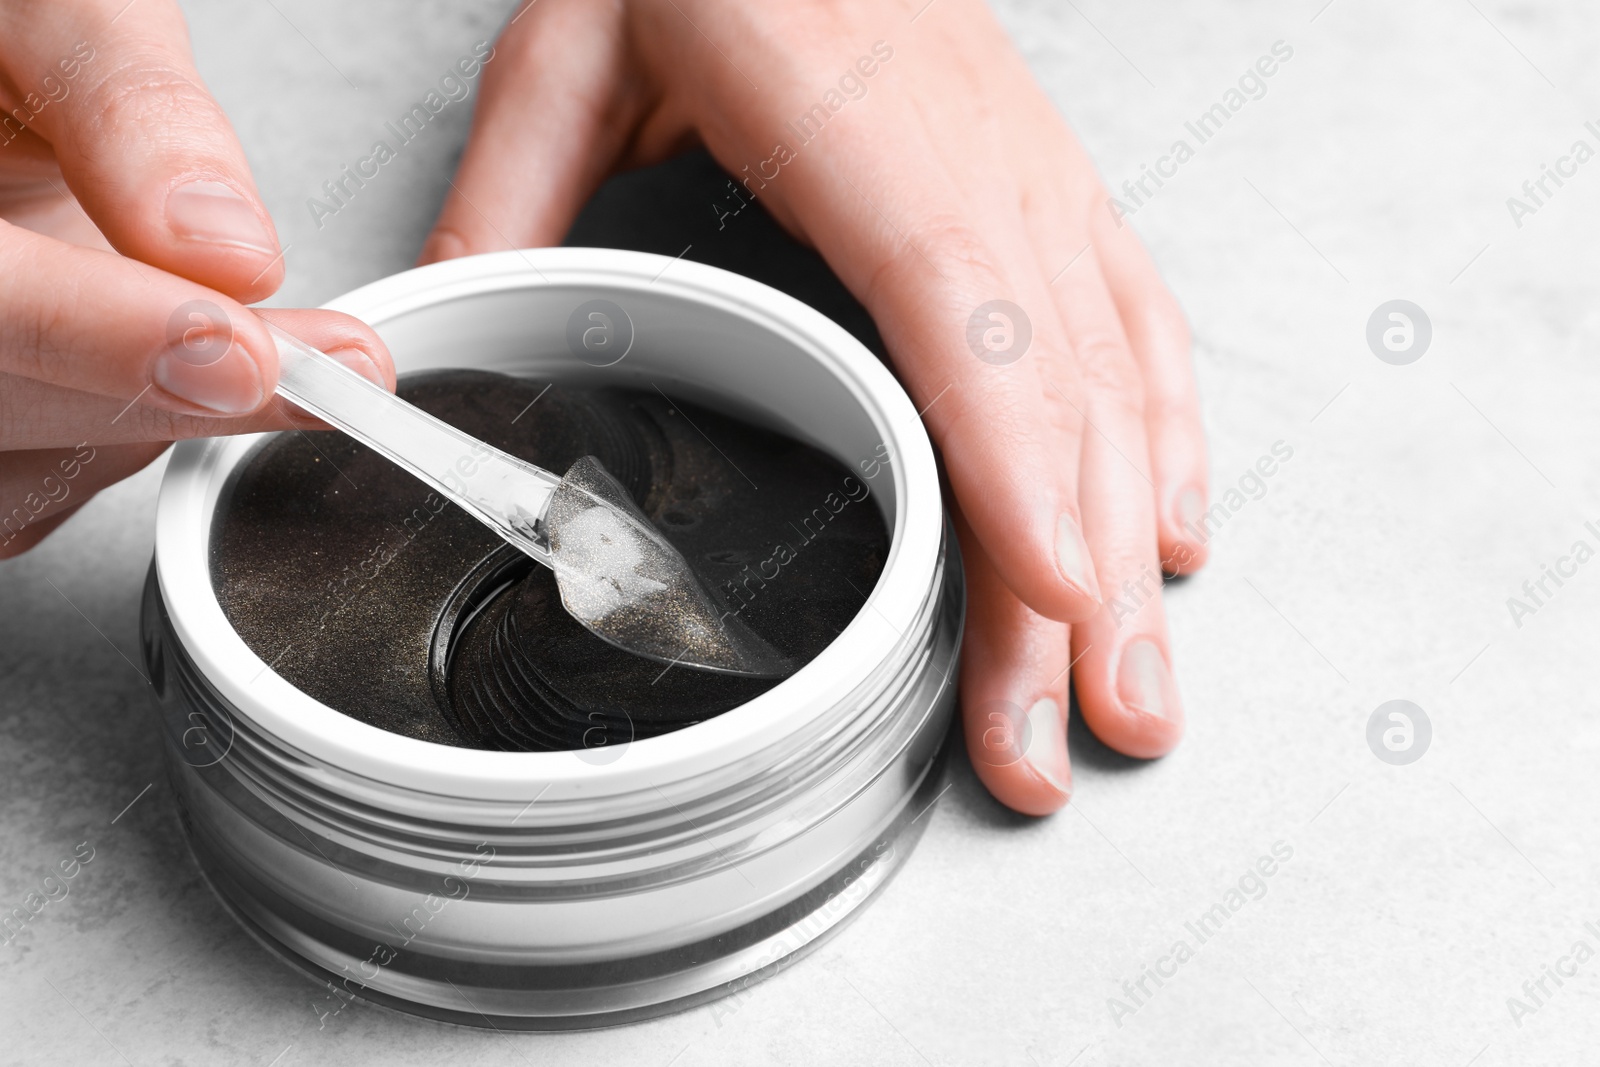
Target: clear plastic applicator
(617, 574)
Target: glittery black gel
(371, 594)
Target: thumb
(144, 147)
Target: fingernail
(360, 362)
(215, 213)
(1144, 681)
(1189, 506)
(1073, 554)
(1047, 745)
(229, 384)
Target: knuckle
(151, 423)
(1064, 405)
(141, 87)
(949, 246)
(25, 340)
(954, 241)
(966, 263)
(1110, 373)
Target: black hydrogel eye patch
(369, 592)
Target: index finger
(950, 306)
(141, 142)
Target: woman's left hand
(914, 151)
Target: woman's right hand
(131, 239)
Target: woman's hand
(914, 151)
(109, 144)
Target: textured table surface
(1375, 564)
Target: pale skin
(109, 143)
(947, 181)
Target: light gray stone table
(1376, 566)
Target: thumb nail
(228, 383)
(216, 214)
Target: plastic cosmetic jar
(551, 890)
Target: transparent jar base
(660, 984)
(234, 828)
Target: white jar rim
(199, 470)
